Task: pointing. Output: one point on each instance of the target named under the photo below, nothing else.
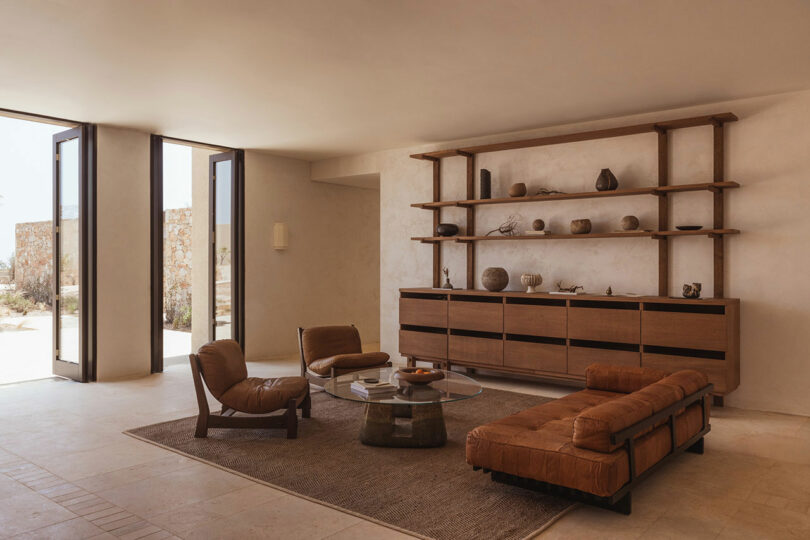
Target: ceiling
(314, 79)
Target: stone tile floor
(67, 471)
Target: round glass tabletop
(453, 387)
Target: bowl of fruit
(417, 375)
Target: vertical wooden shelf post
(470, 220)
(437, 218)
(663, 213)
(719, 173)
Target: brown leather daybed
(595, 445)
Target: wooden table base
(380, 426)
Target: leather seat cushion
(259, 396)
(350, 362)
(222, 365)
(325, 341)
(538, 443)
(689, 380)
(624, 379)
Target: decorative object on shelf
(606, 181)
(281, 236)
(447, 229)
(548, 191)
(538, 224)
(447, 284)
(688, 227)
(568, 290)
(507, 228)
(609, 291)
(495, 279)
(629, 223)
(580, 226)
(692, 291)
(531, 282)
(517, 190)
(485, 191)
(417, 375)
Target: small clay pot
(495, 279)
(447, 229)
(692, 291)
(580, 226)
(606, 181)
(629, 223)
(531, 282)
(517, 190)
(538, 224)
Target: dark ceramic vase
(447, 229)
(485, 192)
(606, 181)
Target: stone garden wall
(33, 252)
(176, 259)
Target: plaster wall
(766, 266)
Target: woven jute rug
(430, 493)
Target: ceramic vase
(531, 282)
(495, 279)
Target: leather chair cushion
(222, 364)
(260, 396)
(324, 366)
(688, 380)
(624, 379)
(325, 341)
(537, 443)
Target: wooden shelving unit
(662, 191)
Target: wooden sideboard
(558, 336)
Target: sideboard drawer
(579, 358)
(535, 356)
(715, 370)
(685, 330)
(476, 350)
(533, 320)
(422, 312)
(477, 316)
(595, 324)
(429, 344)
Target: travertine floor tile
(28, 512)
(67, 530)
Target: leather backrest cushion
(324, 341)
(689, 380)
(624, 379)
(222, 364)
(593, 427)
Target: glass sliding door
(70, 254)
(227, 240)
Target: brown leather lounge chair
(329, 351)
(223, 368)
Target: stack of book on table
(372, 389)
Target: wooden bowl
(409, 374)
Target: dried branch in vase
(507, 228)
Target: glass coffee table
(421, 403)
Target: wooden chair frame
(226, 419)
(314, 378)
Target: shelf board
(655, 190)
(616, 234)
(653, 127)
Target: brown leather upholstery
(539, 443)
(225, 373)
(323, 366)
(327, 347)
(222, 364)
(624, 379)
(258, 396)
(325, 341)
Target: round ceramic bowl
(409, 374)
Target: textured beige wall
(767, 152)
(123, 253)
(330, 272)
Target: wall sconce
(281, 236)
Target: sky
(26, 176)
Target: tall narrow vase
(486, 185)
